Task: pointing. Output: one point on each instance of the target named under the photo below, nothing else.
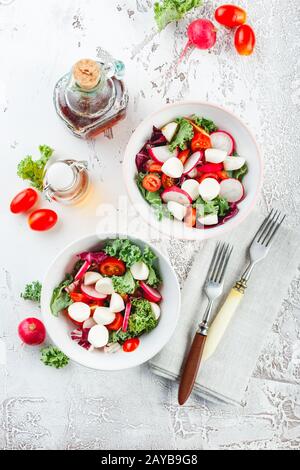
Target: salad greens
(124, 284)
(60, 298)
(168, 11)
(184, 134)
(34, 170)
(32, 292)
(142, 319)
(53, 357)
(219, 206)
(206, 124)
(240, 174)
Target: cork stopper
(87, 74)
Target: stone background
(78, 408)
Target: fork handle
(191, 368)
(222, 321)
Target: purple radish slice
(222, 140)
(157, 138)
(91, 293)
(161, 154)
(126, 317)
(142, 159)
(175, 194)
(80, 337)
(232, 190)
(150, 294)
(92, 257)
(79, 312)
(83, 270)
(192, 162)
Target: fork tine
(222, 262)
(270, 228)
(272, 235)
(219, 262)
(263, 225)
(213, 262)
(227, 258)
(267, 226)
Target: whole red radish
(32, 331)
(202, 34)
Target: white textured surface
(77, 408)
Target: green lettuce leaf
(168, 11)
(240, 174)
(218, 206)
(184, 135)
(34, 170)
(207, 125)
(60, 298)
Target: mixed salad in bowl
(190, 171)
(112, 296)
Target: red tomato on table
(244, 40)
(131, 345)
(42, 220)
(24, 201)
(230, 16)
(112, 267)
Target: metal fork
(213, 289)
(258, 251)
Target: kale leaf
(168, 11)
(32, 292)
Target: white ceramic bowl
(246, 147)
(59, 328)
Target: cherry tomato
(168, 182)
(191, 217)
(42, 220)
(152, 183)
(200, 142)
(245, 40)
(78, 297)
(24, 201)
(222, 175)
(211, 168)
(117, 323)
(184, 155)
(155, 167)
(230, 16)
(112, 267)
(207, 175)
(131, 345)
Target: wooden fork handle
(191, 369)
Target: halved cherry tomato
(117, 323)
(131, 345)
(230, 16)
(191, 217)
(42, 220)
(222, 175)
(168, 182)
(184, 155)
(154, 167)
(112, 267)
(245, 40)
(78, 297)
(211, 168)
(24, 201)
(204, 176)
(152, 183)
(201, 142)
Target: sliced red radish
(175, 194)
(192, 188)
(88, 324)
(150, 294)
(161, 154)
(126, 316)
(169, 131)
(209, 220)
(234, 163)
(209, 189)
(91, 278)
(173, 168)
(140, 271)
(116, 303)
(91, 293)
(104, 316)
(192, 162)
(79, 312)
(84, 268)
(215, 156)
(156, 310)
(177, 210)
(72, 287)
(232, 190)
(193, 174)
(98, 336)
(222, 140)
(112, 348)
(105, 286)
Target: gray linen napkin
(225, 376)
